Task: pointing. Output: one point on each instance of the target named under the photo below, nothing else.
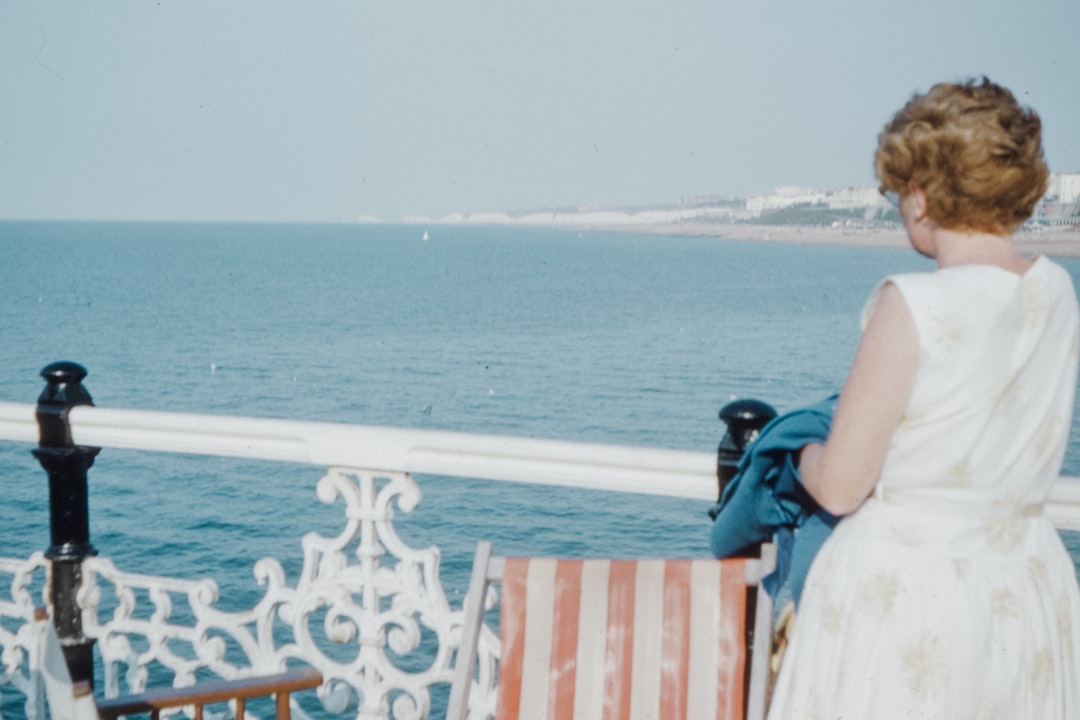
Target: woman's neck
(974, 248)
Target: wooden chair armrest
(212, 691)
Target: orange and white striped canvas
(622, 639)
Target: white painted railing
(672, 473)
(369, 589)
(602, 467)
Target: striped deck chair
(621, 639)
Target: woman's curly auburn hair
(974, 151)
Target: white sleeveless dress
(949, 594)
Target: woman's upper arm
(843, 473)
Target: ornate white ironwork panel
(367, 610)
(20, 652)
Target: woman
(945, 592)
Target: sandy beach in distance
(1064, 242)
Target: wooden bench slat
(212, 691)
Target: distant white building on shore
(854, 197)
(783, 197)
(839, 199)
(1064, 187)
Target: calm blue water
(597, 337)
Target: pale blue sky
(331, 110)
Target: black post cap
(63, 391)
(744, 418)
(64, 385)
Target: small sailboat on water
(426, 236)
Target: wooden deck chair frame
(69, 700)
(722, 659)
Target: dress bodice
(989, 413)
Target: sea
(546, 333)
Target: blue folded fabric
(766, 501)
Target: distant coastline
(852, 216)
(1061, 242)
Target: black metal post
(744, 420)
(69, 518)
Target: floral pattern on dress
(1042, 674)
(1004, 604)
(925, 672)
(1039, 576)
(834, 620)
(950, 332)
(1049, 439)
(960, 473)
(880, 592)
(1034, 303)
(1004, 535)
(1065, 623)
(908, 536)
